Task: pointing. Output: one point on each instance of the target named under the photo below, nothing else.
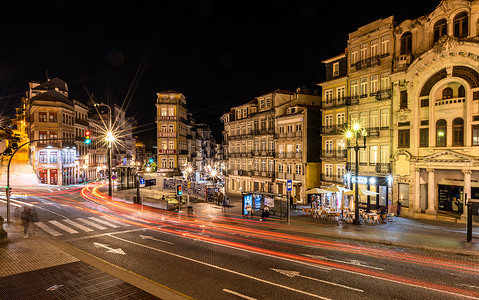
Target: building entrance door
(43, 175)
(54, 176)
(450, 198)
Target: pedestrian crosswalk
(69, 226)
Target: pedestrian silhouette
(26, 219)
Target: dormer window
(336, 69)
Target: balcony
(332, 178)
(384, 94)
(334, 153)
(264, 131)
(383, 168)
(367, 63)
(402, 61)
(290, 155)
(334, 129)
(335, 102)
(353, 100)
(373, 131)
(289, 135)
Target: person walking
(398, 208)
(26, 219)
(294, 202)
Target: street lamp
(110, 138)
(356, 135)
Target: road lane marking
(88, 222)
(11, 203)
(63, 227)
(103, 234)
(224, 269)
(104, 222)
(79, 226)
(109, 249)
(46, 228)
(354, 262)
(152, 238)
(293, 274)
(238, 294)
(116, 221)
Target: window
(263, 165)
(374, 84)
(289, 169)
(328, 120)
(363, 157)
(271, 166)
(42, 135)
(171, 145)
(354, 118)
(354, 55)
(424, 137)
(475, 135)
(373, 119)
(354, 88)
(458, 132)
(280, 168)
(328, 96)
(385, 45)
(268, 102)
(374, 48)
(403, 100)
(53, 135)
(42, 116)
(172, 163)
(373, 155)
(441, 133)
(364, 86)
(164, 146)
(328, 145)
(340, 119)
(328, 170)
(163, 111)
(298, 148)
(171, 111)
(256, 165)
(164, 163)
(363, 119)
(336, 69)
(261, 104)
(42, 157)
(406, 43)
(385, 83)
(364, 51)
(171, 128)
(461, 92)
(403, 138)
(341, 169)
(384, 154)
(245, 112)
(298, 169)
(447, 93)
(440, 29)
(340, 93)
(53, 117)
(461, 25)
(53, 157)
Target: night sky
(217, 53)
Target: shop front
(375, 184)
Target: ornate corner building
(414, 87)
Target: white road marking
(104, 222)
(295, 273)
(109, 249)
(353, 262)
(152, 238)
(88, 222)
(79, 226)
(63, 227)
(238, 294)
(11, 203)
(48, 229)
(223, 269)
(115, 221)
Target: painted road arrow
(296, 274)
(152, 238)
(117, 251)
(352, 262)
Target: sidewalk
(419, 234)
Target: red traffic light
(179, 190)
(87, 137)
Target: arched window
(406, 43)
(447, 93)
(461, 25)
(458, 132)
(461, 92)
(440, 29)
(441, 133)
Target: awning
(336, 189)
(362, 192)
(315, 191)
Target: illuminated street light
(110, 138)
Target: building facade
(265, 143)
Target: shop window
(403, 194)
(447, 93)
(406, 43)
(424, 137)
(441, 133)
(458, 132)
(440, 29)
(42, 157)
(53, 117)
(461, 25)
(403, 138)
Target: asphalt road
(216, 257)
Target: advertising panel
(247, 199)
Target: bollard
(469, 221)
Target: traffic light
(87, 137)
(179, 191)
(151, 160)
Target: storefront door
(43, 175)
(53, 177)
(450, 198)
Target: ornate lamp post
(356, 135)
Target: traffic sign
(113, 177)
(150, 182)
(289, 185)
(142, 180)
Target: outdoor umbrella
(362, 192)
(315, 191)
(337, 189)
